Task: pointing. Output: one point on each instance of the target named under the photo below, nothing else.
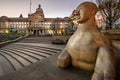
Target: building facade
(36, 24)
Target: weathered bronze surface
(87, 49)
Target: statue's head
(84, 12)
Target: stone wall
(113, 36)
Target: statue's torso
(83, 50)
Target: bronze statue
(87, 49)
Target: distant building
(36, 24)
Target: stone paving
(16, 56)
(47, 70)
(44, 67)
(37, 39)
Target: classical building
(13, 24)
(36, 24)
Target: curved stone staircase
(15, 56)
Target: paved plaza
(16, 56)
(32, 59)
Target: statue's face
(81, 14)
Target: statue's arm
(64, 59)
(105, 65)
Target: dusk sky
(51, 8)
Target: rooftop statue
(87, 49)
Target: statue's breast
(82, 45)
(80, 39)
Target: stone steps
(13, 61)
(37, 39)
(5, 66)
(20, 56)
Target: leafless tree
(55, 26)
(110, 10)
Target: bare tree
(55, 26)
(110, 10)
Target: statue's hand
(97, 76)
(64, 59)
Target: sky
(51, 8)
